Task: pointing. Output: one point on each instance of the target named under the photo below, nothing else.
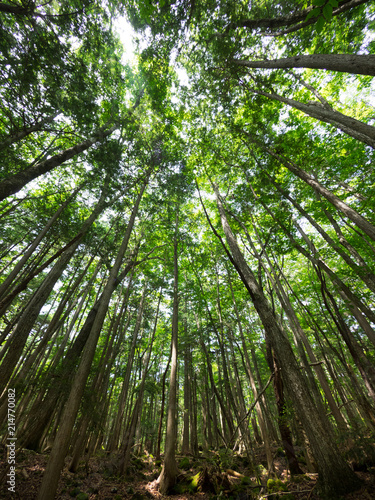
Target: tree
(317, 428)
(169, 472)
(129, 299)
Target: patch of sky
(127, 35)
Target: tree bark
(169, 472)
(292, 22)
(16, 182)
(335, 476)
(29, 251)
(61, 443)
(358, 64)
(351, 126)
(17, 136)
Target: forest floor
(221, 476)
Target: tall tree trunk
(340, 205)
(335, 476)
(350, 126)
(194, 414)
(362, 270)
(169, 472)
(249, 373)
(285, 433)
(358, 64)
(137, 410)
(299, 335)
(27, 253)
(187, 397)
(16, 182)
(21, 134)
(317, 260)
(116, 432)
(162, 406)
(364, 365)
(61, 443)
(26, 322)
(291, 22)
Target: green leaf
(334, 3)
(320, 24)
(318, 2)
(327, 12)
(314, 13)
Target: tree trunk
(137, 410)
(187, 399)
(114, 442)
(335, 476)
(169, 472)
(340, 205)
(285, 433)
(291, 22)
(299, 336)
(160, 427)
(16, 182)
(362, 270)
(27, 253)
(357, 64)
(61, 444)
(350, 126)
(24, 325)
(17, 136)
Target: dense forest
(187, 239)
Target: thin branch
(252, 406)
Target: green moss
(299, 478)
(138, 496)
(246, 480)
(178, 489)
(194, 482)
(82, 496)
(276, 485)
(137, 462)
(184, 463)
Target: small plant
(276, 485)
(360, 450)
(226, 459)
(194, 482)
(184, 463)
(246, 480)
(299, 478)
(82, 496)
(74, 492)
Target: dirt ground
(232, 479)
